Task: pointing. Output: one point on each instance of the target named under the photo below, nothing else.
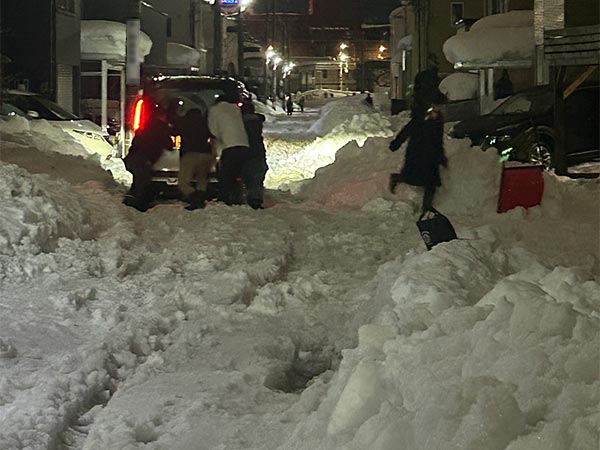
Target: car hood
(489, 124)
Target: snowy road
(317, 323)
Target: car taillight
(139, 116)
(240, 104)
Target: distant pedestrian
(231, 144)
(197, 158)
(369, 100)
(301, 103)
(255, 167)
(289, 105)
(146, 148)
(503, 87)
(424, 154)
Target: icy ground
(318, 323)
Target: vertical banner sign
(133, 57)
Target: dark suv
(188, 92)
(522, 128)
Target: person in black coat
(146, 148)
(424, 153)
(255, 168)
(503, 87)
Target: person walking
(255, 168)
(289, 105)
(146, 148)
(369, 100)
(196, 159)
(424, 153)
(301, 103)
(231, 145)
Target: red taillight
(240, 104)
(139, 118)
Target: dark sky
(334, 12)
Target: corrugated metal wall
(64, 86)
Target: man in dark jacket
(146, 148)
(255, 168)
(424, 153)
(197, 158)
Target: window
(457, 10)
(324, 74)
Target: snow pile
(337, 112)
(287, 169)
(472, 349)
(36, 211)
(105, 39)
(182, 55)
(460, 86)
(42, 135)
(359, 178)
(508, 37)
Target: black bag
(435, 228)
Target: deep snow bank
(469, 348)
(42, 135)
(342, 121)
(338, 112)
(36, 211)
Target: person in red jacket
(146, 148)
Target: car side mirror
(33, 114)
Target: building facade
(41, 42)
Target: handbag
(435, 228)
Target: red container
(521, 185)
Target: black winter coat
(424, 152)
(253, 123)
(193, 128)
(151, 141)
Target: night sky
(334, 12)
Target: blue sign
(229, 2)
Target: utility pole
(132, 69)
(217, 38)
(240, 43)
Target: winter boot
(197, 200)
(255, 203)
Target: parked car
(522, 128)
(36, 107)
(188, 92)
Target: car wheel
(541, 153)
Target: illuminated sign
(229, 2)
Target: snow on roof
(405, 43)
(501, 39)
(104, 39)
(460, 86)
(182, 55)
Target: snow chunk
(460, 86)
(36, 211)
(500, 37)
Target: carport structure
(563, 48)
(103, 55)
